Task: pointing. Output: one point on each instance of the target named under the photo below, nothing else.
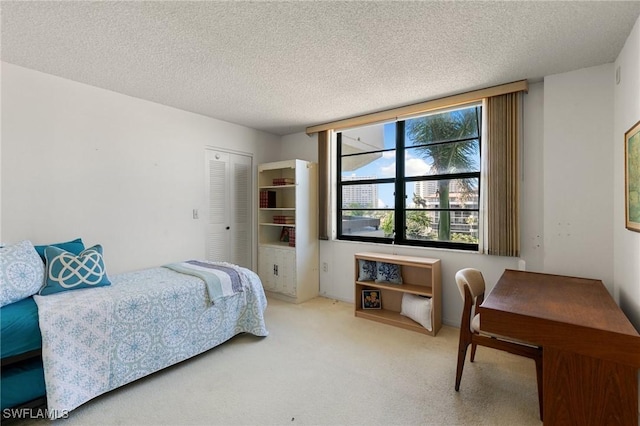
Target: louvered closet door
(241, 187)
(229, 230)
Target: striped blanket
(222, 279)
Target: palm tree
(418, 222)
(449, 142)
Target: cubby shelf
(420, 290)
(278, 244)
(277, 186)
(420, 276)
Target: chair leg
(540, 387)
(473, 351)
(462, 354)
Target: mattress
(20, 330)
(21, 383)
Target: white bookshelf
(288, 269)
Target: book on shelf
(283, 181)
(285, 234)
(267, 199)
(290, 220)
(288, 235)
(292, 237)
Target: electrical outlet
(195, 213)
(325, 267)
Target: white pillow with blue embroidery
(68, 271)
(388, 273)
(367, 270)
(21, 272)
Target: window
(412, 182)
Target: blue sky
(386, 166)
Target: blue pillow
(67, 271)
(21, 272)
(75, 247)
(366, 270)
(389, 273)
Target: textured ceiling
(282, 66)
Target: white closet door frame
(224, 170)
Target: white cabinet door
(266, 268)
(276, 268)
(287, 272)
(229, 222)
(279, 269)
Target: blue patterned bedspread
(95, 340)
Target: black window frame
(400, 210)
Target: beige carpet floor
(322, 366)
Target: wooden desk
(591, 352)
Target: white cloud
(389, 155)
(381, 204)
(415, 166)
(388, 171)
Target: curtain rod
(398, 113)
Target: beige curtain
(323, 185)
(503, 174)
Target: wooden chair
(472, 288)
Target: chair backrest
(473, 279)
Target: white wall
(578, 173)
(626, 266)
(300, 146)
(79, 161)
(532, 188)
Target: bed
(72, 346)
(22, 382)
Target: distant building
(365, 195)
(460, 220)
(425, 189)
(428, 188)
